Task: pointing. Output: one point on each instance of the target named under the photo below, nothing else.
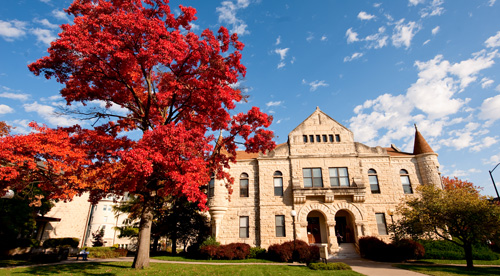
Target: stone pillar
(216, 213)
(361, 230)
(333, 245)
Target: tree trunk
(174, 245)
(468, 254)
(141, 259)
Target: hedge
(329, 266)
(446, 250)
(61, 242)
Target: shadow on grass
(90, 268)
(452, 270)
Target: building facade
(318, 185)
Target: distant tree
(457, 213)
(98, 238)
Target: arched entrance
(316, 228)
(344, 225)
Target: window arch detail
(405, 181)
(373, 179)
(278, 183)
(244, 185)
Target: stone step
(347, 250)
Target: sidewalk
(371, 268)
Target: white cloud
(271, 103)
(281, 52)
(353, 57)
(404, 33)
(114, 108)
(278, 40)
(43, 35)
(427, 41)
(415, 2)
(376, 5)
(486, 82)
(489, 109)
(14, 96)
(351, 36)
(193, 26)
(13, 29)
(47, 112)
(485, 143)
(314, 85)
(377, 40)
(324, 38)
(365, 16)
(46, 23)
(281, 65)
(435, 30)
(227, 14)
(45, 1)
(434, 8)
(310, 37)
(4, 109)
(491, 3)
(61, 15)
(493, 41)
(467, 70)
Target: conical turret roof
(420, 146)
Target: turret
(427, 160)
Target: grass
(451, 270)
(14, 262)
(476, 262)
(180, 258)
(123, 268)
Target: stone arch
(322, 208)
(354, 210)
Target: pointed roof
(328, 116)
(420, 145)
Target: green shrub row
(106, 252)
(375, 249)
(445, 250)
(329, 266)
(61, 242)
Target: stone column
(333, 245)
(217, 213)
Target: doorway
(316, 228)
(344, 226)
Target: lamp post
(293, 213)
(9, 194)
(391, 214)
(494, 185)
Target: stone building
(332, 183)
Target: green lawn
(476, 262)
(451, 270)
(123, 268)
(184, 259)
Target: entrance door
(342, 226)
(313, 230)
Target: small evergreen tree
(98, 238)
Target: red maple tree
(176, 88)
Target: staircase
(347, 251)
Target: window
(330, 138)
(278, 183)
(311, 138)
(339, 177)
(337, 138)
(324, 138)
(244, 227)
(381, 225)
(318, 138)
(104, 207)
(244, 185)
(305, 138)
(280, 226)
(105, 218)
(211, 186)
(312, 177)
(405, 180)
(372, 177)
(109, 208)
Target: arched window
(211, 186)
(372, 177)
(244, 185)
(405, 181)
(278, 183)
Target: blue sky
(376, 67)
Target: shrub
(106, 252)
(329, 266)
(284, 252)
(61, 242)
(257, 253)
(210, 241)
(406, 249)
(372, 248)
(209, 251)
(441, 249)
